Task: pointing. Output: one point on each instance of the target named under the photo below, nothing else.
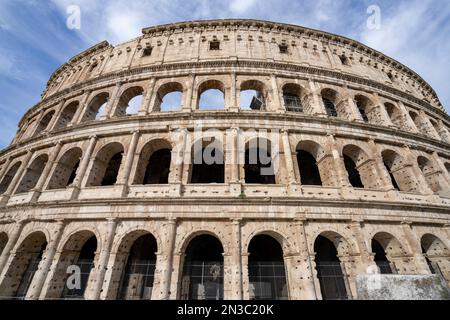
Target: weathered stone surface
(401, 287)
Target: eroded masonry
(100, 180)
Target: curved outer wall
(402, 132)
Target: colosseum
(317, 159)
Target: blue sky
(34, 38)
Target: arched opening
(253, 95)
(23, 267)
(43, 124)
(436, 254)
(363, 104)
(66, 169)
(84, 260)
(3, 241)
(211, 95)
(330, 100)
(67, 115)
(292, 97)
(353, 174)
(266, 270)
(447, 166)
(432, 176)
(309, 171)
(9, 176)
(401, 175)
(105, 169)
(32, 174)
(207, 161)
(380, 258)
(329, 270)
(169, 97)
(138, 275)
(437, 129)
(96, 107)
(388, 252)
(395, 115)
(202, 277)
(154, 163)
(259, 167)
(129, 102)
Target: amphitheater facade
(97, 202)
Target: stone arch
(437, 254)
(98, 102)
(330, 99)
(43, 124)
(401, 174)
(260, 94)
(419, 122)
(396, 115)
(259, 161)
(166, 89)
(312, 165)
(361, 170)
(33, 174)
(330, 249)
(207, 161)
(66, 169)
(211, 85)
(106, 166)
(295, 98)
(266, 269)
(67, 115)
(432, 174)
(366, 108)
(3, 241)
(125, 98)
(184, 241)
(9, 176)
(78, 248)
(24, 265)
(202, 268)
(393, 249)
(134, 266)
(154, 163)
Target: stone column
(380, 167)
(146, 106)
(12, 240)
(356, 226)
(232, 161)
(175, 280)
(315, 101)
(383, 113)
(416, 249)
(234, 103)
(409, 121)
(112, 103)
(45, 176)
(291, 179)
(441, 165)
(187, 105)
(232, 265)
(16, 180)
(430, 128)
(422, 182)
(59, 109)
(38, 121)
(339, 166)
(351, 107)
(81, 172)
(299, 267)
(177, 160)
(5, 168)
(46, 263)
(131, 155)
(103, 259)
(277, 105)
(164, 265)
(245, 276)
(78, 117)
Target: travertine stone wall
(51, 175)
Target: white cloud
(241, 6)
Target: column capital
(172, 220)
(94, 136)
(236, 221)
